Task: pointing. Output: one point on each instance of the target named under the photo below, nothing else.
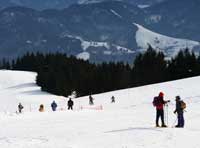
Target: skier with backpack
(20, 107)
(112, 99)
(159, 103)
(70, 104)
(41, 108)
(53, 106)
(180, 106)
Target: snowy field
(128, 123)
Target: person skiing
(112, 99)
(91, 100)
(41, 109)
(20, 107)
(179, 110)
(53, 106)
(159, 103)
(70, 104)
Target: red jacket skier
(159, 103)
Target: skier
(179, 110)
(70, 104)
(53, 106)
(159, 103)
(91, 100)
(41, 109)
(112, 99)
(20, 107)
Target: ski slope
(128, 123)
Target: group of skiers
(70, 104)
(91, 100)
(159, 103)
(54, 106)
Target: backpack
(70, 103)
(20, 107)
(156, 101)
(183, 105)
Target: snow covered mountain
(105, 31)
(177, 18)
(125, 124)
(171, 46)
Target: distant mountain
(38, 4)
(105, 31)
(177, 18)
(71, 30)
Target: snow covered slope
(19, 86)
(128, 123)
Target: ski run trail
(127, 123)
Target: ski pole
(167, 116)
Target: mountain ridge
(97, 25)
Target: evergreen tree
(185, 64)
(149, 67)
(61, 74)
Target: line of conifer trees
(62, 75)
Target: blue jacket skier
(54, 106)
(179, 111)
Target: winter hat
(178, 98)
(161, 94)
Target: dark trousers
(20, 110)
(180, 120)
(54, 109)
(160, 113)
(70, 107)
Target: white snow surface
(86, 44)
(128, 123)
(19, 86)
(83, 56)
(144, 37)
(143, 6)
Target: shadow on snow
(135, 129)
